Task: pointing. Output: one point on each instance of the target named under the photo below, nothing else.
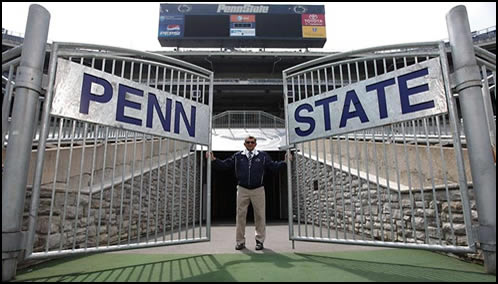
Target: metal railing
(359, 187)
(106, 170)
(247, 119)
(12, 36)
(484, 34)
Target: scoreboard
(232, 25)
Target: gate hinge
(486, 236)
(465, 77)
(30, 78)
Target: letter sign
(409, 93)
(87, 94)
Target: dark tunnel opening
(224, 193)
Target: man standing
(250, 166)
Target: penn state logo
(184, 8)
(299, 9)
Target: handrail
(128, 51)
(10, 54)
(489, 56)
(247, 119)
(320, 60)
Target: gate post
(15, 173)
(467, 82)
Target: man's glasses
(250, 142)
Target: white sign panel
(91, 95)
(409, 93)
(242, 32)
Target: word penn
(122, 103)
(86, 94)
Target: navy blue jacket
(249, 173)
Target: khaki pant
(257, 198)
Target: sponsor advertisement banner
(242, 32)
(242, 18)
(171, 26)
(313, 20)
(314, 32)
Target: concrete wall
(430, 164)
(141, 150)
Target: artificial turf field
(394, 265)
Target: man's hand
(210, 155)
(289, 157)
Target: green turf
(381, 265)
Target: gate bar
(140, 245)
(28, 85)
(483, 169)
(388, 244)
(289, 178)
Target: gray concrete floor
(277, 241)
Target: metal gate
(402, 184)
(99, 186)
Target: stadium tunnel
(224, 193)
